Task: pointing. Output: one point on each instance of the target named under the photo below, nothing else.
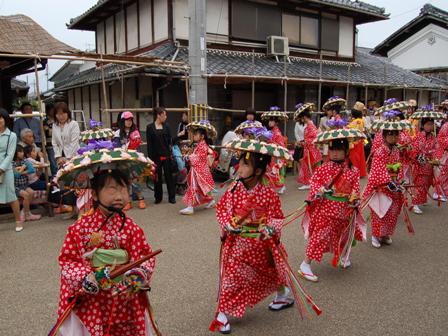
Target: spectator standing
(31, 123)
(182, 133)
(8, 143)
(159, 142)
(65, 138)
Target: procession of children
(101, 294)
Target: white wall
(110, 35)
(160, 20)
(145, 22)
(100, 38)
(217, 19)
(132, 26)
(120, 32)
(180, 8)
(346, 27)
(428, 48)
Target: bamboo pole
(151, 62)
(43, 138)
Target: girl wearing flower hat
(92, 302)
(129, 137)
(384, 192)
(276, 171)
(253, 261)
(332, 220)
(311, 154)
(423, 153)
(200, 181)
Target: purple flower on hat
(299, 105)
(337, 123)
(95, 124)
(96, 145)
(334, 98)
(429, 107)
(274, 108)
(391, 114)
(390, 101)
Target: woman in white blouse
(65, 137)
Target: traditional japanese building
(421, 45)
(259, 53)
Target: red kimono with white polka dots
(128, 318)
(441, 178)
(275, 172)
(311, 155)
(422, 174)
(378, 180)
(326, 220)
(200, 181)
(251, 268)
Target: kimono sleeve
(74, 268)
(140, 248)
(275, 215)
(379, 175)
(224, 210)
(316, 182)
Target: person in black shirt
(182, 133)
(159, 142)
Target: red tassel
(335, 260)
(215, 325)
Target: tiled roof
(357, 5)
(428, 14)
(368, 69)
(17, 84)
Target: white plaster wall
(130, 100)
(180, 8)
(145, 22)
(426, 49)
(346, 27)
(110, 35)
(120, 32)
(160, 20)
(217, 17)
(132, 26)
(100, 38)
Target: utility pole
(197, 51)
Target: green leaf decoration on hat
(421, 114)
(97, 134)
(274, 114)
(129, 161)
(257, 146)
(391, 125)
(205, 125)
(400, 105)
(350, 134)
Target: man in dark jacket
(158, 136)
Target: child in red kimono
(91, 303)
(253, 260)
(332, 220)
(441, 171)
(276, 171)
(423, 153)
(128, 136)
(357, 156)
(200, 181)
(384, 191)
(311, 154)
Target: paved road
(397, 290)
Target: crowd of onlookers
(26, 168)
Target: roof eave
(384, 47)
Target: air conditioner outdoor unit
(277, 46)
